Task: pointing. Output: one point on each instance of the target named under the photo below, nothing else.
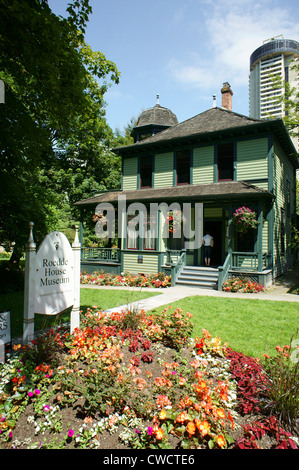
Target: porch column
(81, 229)
(230, 229)
(260, 237)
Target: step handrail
(176, 268)
(223, 270)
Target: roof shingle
(190, 192)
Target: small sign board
(54, 275)
(52, 279)
(5, 333)
(2, 92)
(5, 327)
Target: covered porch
(232, 256)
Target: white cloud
(193, 73)
(232, 31)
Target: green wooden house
(211, 164)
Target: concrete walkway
(279, 292)
(171, 294)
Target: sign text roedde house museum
(52, 279)
(54, 276)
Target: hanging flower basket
(175, 220)
(244, 219)
(100, 217)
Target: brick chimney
(227, 94)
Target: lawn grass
(102, 298)
(253, 327)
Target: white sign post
(29, 292)
(52, 279)
(75, 313)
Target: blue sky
(183, 50)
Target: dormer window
(225, 160)
(183, 167)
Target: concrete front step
(198, 276)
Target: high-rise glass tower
(274, 57)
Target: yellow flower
(163, 414)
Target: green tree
(125, 137)
(52, 126)
(290, 100)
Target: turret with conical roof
(153, 120)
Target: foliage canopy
(54, 139)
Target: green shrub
(283, 385)
(11, 279)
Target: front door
(215, 228)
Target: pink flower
(30, 394)
(37, 391)
(70, 433)
(46, 408)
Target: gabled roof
(212, 120)
(211, 191)
(214, 123)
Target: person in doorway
(208, 242)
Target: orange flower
(181, 417)
(162, 401)
(229, 417)
(182, 380)
(88, 419)
(201, 387)
(206, 333)
(191, 428)
(222, 389)
(195, 364)
(204, 427)
(198, 374)
(221, 441)
(159, 434)
(221, 413)
(188, 401)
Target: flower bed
(132, 380)
(101, 278)
(237, 284)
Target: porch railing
(177, 260)
(111, 255)
(250, 261)
(223, 270)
